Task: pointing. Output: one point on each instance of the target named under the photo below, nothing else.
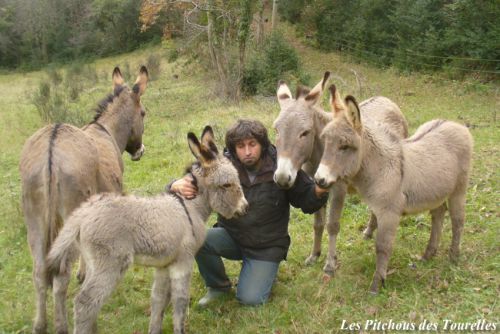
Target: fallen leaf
(372, 310)
(326, 278)
(412, 315)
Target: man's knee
(251, 299)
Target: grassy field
(415, 293)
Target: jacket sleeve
(302, 195)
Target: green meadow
(182, 99)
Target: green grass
(301, 302)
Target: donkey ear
(141, 82)
(314, 95)
(283, 93)
(117, 78)
(336, 102)
(208, 139)
(353, 113)
(200, 151)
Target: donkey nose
(321, 182)
(282, 180)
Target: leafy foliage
(36, 33)
(276, 60)
(424, 35)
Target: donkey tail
(64, 250)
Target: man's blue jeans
(256, 276)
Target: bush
(154, 66)
(277, 60)
(57, 96)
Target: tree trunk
(260, 24)
(275, 14)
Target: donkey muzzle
(324, 178)
(242, 208)
(138, 154)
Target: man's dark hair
(247, 129)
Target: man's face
(248, 152)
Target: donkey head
(217, 175)
(343, 141)
(295, 130)
(127, 113)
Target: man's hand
(185, 187)
(320, 192)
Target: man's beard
(251, 164)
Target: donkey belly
(154, 261)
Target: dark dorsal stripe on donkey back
(52, 140)
(52, 230)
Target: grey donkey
(397, 177)
(165, 232)
(300, 145)
(61, 166)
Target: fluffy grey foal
(113, 231)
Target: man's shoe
(211, 295)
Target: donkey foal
(397, 177)
(113, 231)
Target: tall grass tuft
(153, 63)
(57, 96)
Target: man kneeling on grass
(260, 238)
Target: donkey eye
(143, 112)
(344, 147)
(227, 185)
(305, 133)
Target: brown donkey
(61, 166)
(165, 232)
(397, 177)
(298, 129)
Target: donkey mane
(104, 103)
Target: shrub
(154, 66)
(277, 60)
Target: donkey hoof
(367, 235)
(311, 259)
(454, 257)
(40, 329)
(327, 278)
(429, 254)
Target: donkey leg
(319, 225)
(437, 215)
(372, 226)
(37, 242)
(60, 288)
(387, 228)
(180, 277)
(338, 194)
(97, 287)
(160, 296)
(456, 204)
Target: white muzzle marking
(324, 176)
(285, 173)
(138, 154)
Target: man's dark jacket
(262, 233)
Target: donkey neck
(118, 123)
(378, 153)
(321, 119)
(199, 206)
